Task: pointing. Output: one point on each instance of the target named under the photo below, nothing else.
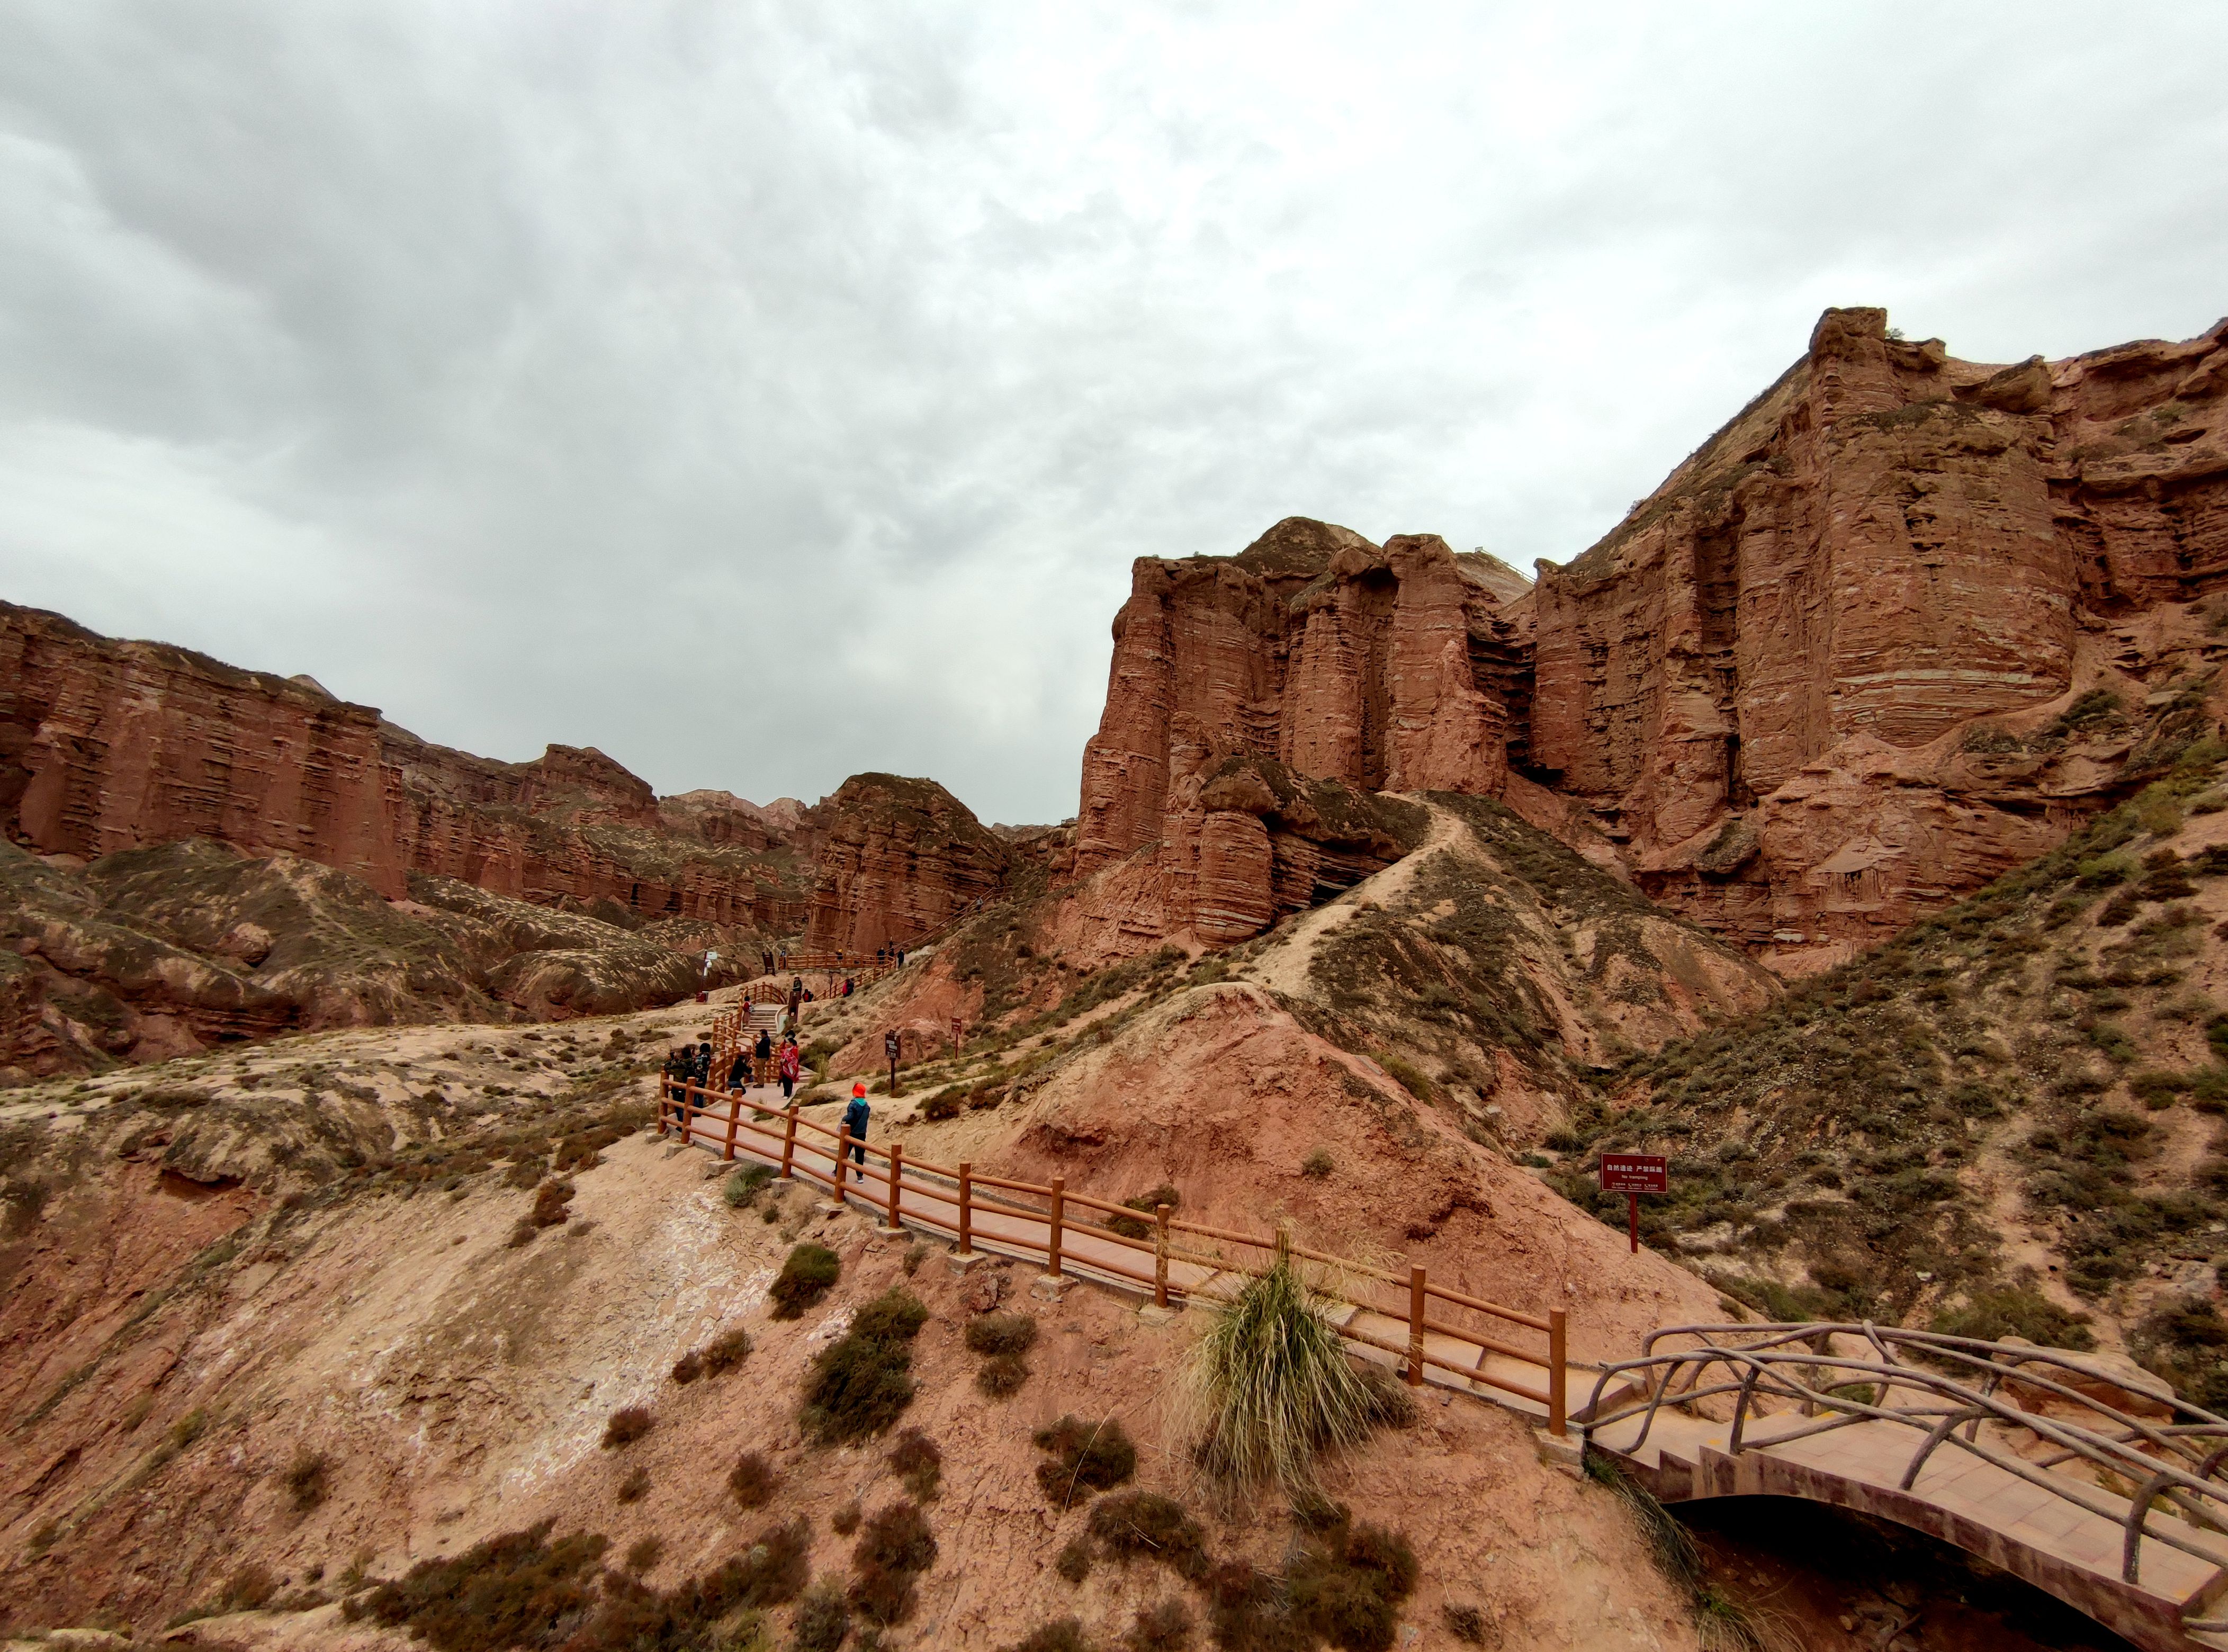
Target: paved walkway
(1005, 1224)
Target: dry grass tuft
(627, 1425)
(1269, 1386)
(916, 1461)
(807, 1275)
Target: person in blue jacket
(855, 1120)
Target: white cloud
(767, 393)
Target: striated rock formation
(1894, 630)
(1818, 683)
(111, 745)
(898, 859)
(1374, 667)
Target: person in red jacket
(791, 1063)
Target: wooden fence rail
(1026, 1218)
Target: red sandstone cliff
(108, 746)
(1815, 685)
(1892, 632)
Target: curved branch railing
(1959, 1387)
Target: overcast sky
(764, 393)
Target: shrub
(945, 1104)
(1271, 1386)
(774, 1569)
(1001, 1334)
(916, 1460)
(895, 1315)
(1085, 1458)
(1408, 1076)
(806, 1275)
(627, 1425)
(1074, 1561)
(1164, 1628)
(1469, 1625)
(1348, 1589)
(723, 1353)
(688, 1368)
(823, 1619)
(894, 1548)
(1061, 1635)
(845, 1520)
(1001, 1376)
(307, 1479)
(860, 1383)
(745, 1185)
(517, 1589)
(1147, 1204)
(1143, 1525)
(549, 1202)
(643, 1554)
(635, 1486)
(1318, 1165)
(753, 1480)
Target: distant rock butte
(899, 859)
(109, 746)
(1892, 630)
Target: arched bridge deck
(2111, 1501)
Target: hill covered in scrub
(2007, 1120)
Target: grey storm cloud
(764, 393)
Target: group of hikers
(692, 1064)
(759, 1062)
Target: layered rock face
(1894, 630)
(898, 859)
(107, 745)
(1815, 685)
(1315, 651)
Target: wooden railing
(967, 1206)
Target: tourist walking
(855, 1120)
(790, 1062)
(763, 1051)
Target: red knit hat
(858, 1090)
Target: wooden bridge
(2109, 1500)
(2113, 1502)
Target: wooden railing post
(1415, 1327)
(1161, 1256)
(789, 1144)
(1558, 1371)
(1059, 1197)
(734, 1118)
(966, 1209)
(897, 1176)
(842, 1152)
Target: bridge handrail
(1767, 1364)
(897, 1172)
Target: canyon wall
(1895, 628)
(109, 746)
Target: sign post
(958, 1032)
(1633, 1175)
(890, 1050)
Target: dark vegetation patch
(1146, 1526)
(308, 1479)
(916, 1460)
(627, 1425)
(1083, 1456)
(753, 1480)
(808, 1273)
(860, 1383)
(894, 1548)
